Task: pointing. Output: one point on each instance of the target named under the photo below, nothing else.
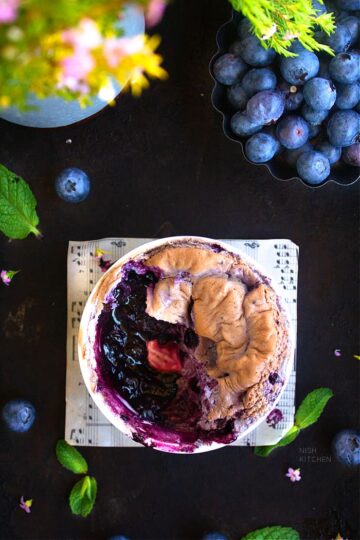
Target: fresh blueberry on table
(261, 147)
(351, 155)
(298, 69)
(346, 447)
(258, 79)
(215, 536)
(72, 185)
(292, 131)
(350, 5)
(254, 53)
(343, 128)
(319, 93)
(313, 167)
(118, 537)
(228, 69)
(293, 95)
(266, 107)
(333, 153)
(19, 415)
(344, 67)
(352, 23)
(243, 126)
(348, 95)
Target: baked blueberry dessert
(187, 344)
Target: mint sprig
(307, 414)
(18, 217)
(70, 458)
(82, 496)
(273, 533)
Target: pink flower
(104, 259)
(25, 505)
(85, 36)
(155, 12)
(337, 352)
(293, 474)
(8, 10)
(75, 68)
(7, 275)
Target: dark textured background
(162, 165)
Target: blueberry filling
(173, 401)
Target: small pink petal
(8, 10)
(337, 352)
(155, 12)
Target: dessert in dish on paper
(281, 259)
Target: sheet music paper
(85, 425)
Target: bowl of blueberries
(297, 115)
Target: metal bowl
(341, 173)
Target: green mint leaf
(312, 407)
(18, 217)
(70, 458)
(82, 496)
(273, 533)
(289, 437)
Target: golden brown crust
(245, 326)
(193, 260)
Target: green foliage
(307, 414)
(82, 496)
(273, 533)
(70, 458)
(18, 217)
(277, 23)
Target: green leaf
(70, 458)
(82, 496)
(312, 407)
(18, 217)
(273, 533)
(289, 437)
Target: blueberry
(319, 94)
(346, 447)
(352, 24)
(348, 95)
(299, 69)
(72, 185)
(344, 67)
(293, 96)
(340, 40)
(312, 116)
(313, 131)
(351, 5)
(254, 54)
(266, 106)
(313, 167)
(292, 131)
(257, 80)
(319, 7)
(333, 153)
(237, 96)
(261, 147)
(291, 156)
(215, 536)
(118, 537)
(19, 415)
(244, 28)
(235, 48)
(343, 128)
(351, 155)
(243, 126)
(228, 69)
